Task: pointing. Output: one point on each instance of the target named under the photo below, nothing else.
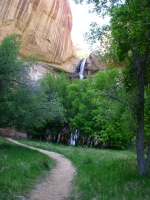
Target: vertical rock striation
(44, 25)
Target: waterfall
(74, 137)
(81, 73)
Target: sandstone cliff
(44, 25)
(45, 29)
(94, 62)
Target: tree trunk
(140, 120)
(140, 146)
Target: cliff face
(94, 62)
(44, 25)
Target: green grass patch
(20, 169)
(102, 174)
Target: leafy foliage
(54, 86)
(96, 114)
(13, 80)
(23, 104)
(79, 94)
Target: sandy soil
(57, 184)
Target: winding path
(57, 184)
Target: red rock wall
(44, 25)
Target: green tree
(54, 85)
(95, 113)
(23, 104)
(129, 26)
(80, 96)
(112, 118)
(133, 42)
(13, 80)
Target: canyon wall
(94, 62)
(45, 29)
(44, 25)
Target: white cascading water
(81, 73)
(74, 137)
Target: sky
(81, 22)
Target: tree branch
(117, 99)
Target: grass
(102, 174)
(20, 170)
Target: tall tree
(79, 95)
(13, 80)
(130, 28)
(54, 85)
(130, 40)
(23, 104)
(111, 116)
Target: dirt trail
(57, 184)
